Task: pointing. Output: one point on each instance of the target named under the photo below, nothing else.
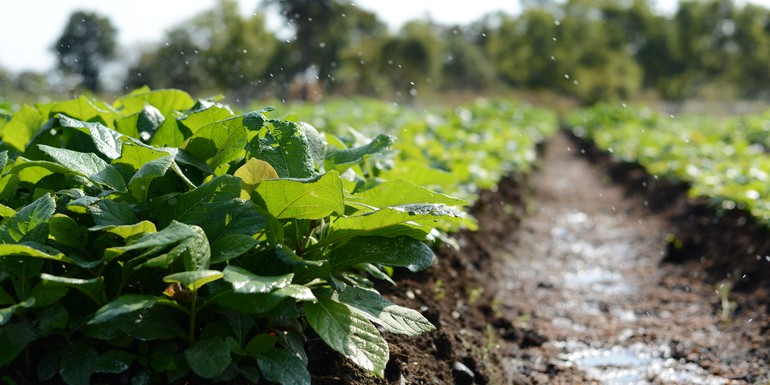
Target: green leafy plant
(718, 160)
(163, 237)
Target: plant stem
(193, 312)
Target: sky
(30, 27)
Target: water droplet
(566, 76)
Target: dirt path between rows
(584, 272)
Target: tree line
(590, 49)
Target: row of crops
(161, 238)
(724, 160)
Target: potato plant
(162, 237)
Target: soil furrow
(584, 271)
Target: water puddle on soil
(635, 364)
(605, 271)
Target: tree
(412, 60)
(465, 65)
(329, 32)
(177, 63)
(217, 50)
(87, 43)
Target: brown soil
(585, 273)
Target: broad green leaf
(170, 134)
(394, 318)
(397, 193)
(137, 156)
(218, 143)
(122, 305)
(423, 214)
(22, 127)
(282, 367)
(255, 120)
(34, 250)
(141, 125)
(231, 246)
(32, 171)
(294, 344)
(53, 319)
(107, 212)
(28, 222)
(252, 173)
(127, 125)
(287, 256)
(139, 185)
(298, 292)
(183, 157)
(286, 148)
(194, 280)
(240, 324)
(85, 109)
(165, 101)
(316, 143)
(314, 199)
(115, 361)
(412, 230)
(128, 231)
(194, 207)
(14, 338)
(197, 251)
(261, 343)
(202, 118)
(349, 333)
(173, 234)
(107, 140)
(208, 358)
(67, 231)
(341, 160)
(77, 363)
(47, 293)
(7, 313)
(88, 165)
(245, 282)
(400, 251)
(148, 121)
(93, 288)
(194, 252)
(234, 217)
(8, 184)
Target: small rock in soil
(462, 374)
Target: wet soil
(585, 272)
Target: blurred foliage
(589, 49)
